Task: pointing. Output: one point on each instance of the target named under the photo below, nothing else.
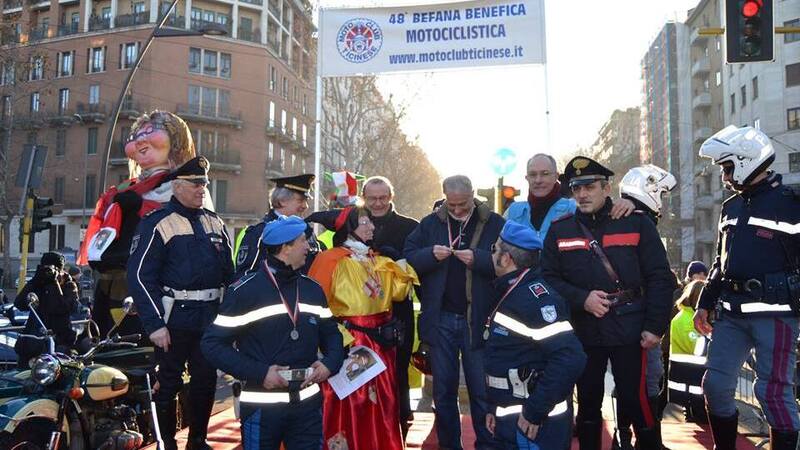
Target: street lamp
(211, 29)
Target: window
(305, 135)
(97, 62)
(793, 118)
(793, 74)
(221, 195)
(794, 162)
(58, 190)
(66, 65)
(305, 104)
(61, 141)
(283, 121)
(91, 141)
(757, 124)
(283, 157)
(37, 68)
(755, 88)
(791, 37)
(128, 54)
(273, 79)
(194, 60)
(6, 111)
(57, 237)
(105, 13)
(225, 65)
(74, 20)
(94, 94)
(733, 103)
(7, 77)
(35, 102)
(272, 114)
(210, 63)
(63, 100)
(271, 151)
(209, 105)
(294, 127)
(744, 96)
(717, 78)
(285, 91)
(203, 100)
(90, 192)
(138, 7)
(224, 102)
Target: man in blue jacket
(450, 250)
(267, 334)
(533, 357)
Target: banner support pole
(318, 128)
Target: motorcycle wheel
(32, 434)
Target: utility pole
(26, 236)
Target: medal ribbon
(462, 223)
(515, 284)
(293, 316)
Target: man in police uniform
(754, 286)
(288, 198)
(267, 334)
(615, 276)
(533, 357)
(180, 261)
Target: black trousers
(404, 311)
(184, 347)
(628, 365)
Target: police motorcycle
(72, 401)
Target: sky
(594, 52)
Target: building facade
(618, 145)
(248, 96)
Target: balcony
(249, 35)
(198, 25)
(210, 115)
(117, 157)
(99, 23)
(131, 109)
(38, 4)
(31, 120)
(92, 112)
(272, 129)
(697, 39)
(11, 6)
(38, 33)
(701, 101)
(701, 67)
(701, 134)
(284, 136)
(253, 2)
(62, 117)
(225, 160)
(129, 20)
(10, 37)
(274, 168)
(67, 29)
(176, 21)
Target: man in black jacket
(391, 231)
(616, 278)
(58, 298)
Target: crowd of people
(529, 307)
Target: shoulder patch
(538, 289)
(134, 243)
(549, 313)
(244, 279)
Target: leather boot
(782, 440)
(724, 431)
(201, 406)
(590, 434)
(648, 439)
(657, 406)
(167, 420)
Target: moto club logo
(359, 40)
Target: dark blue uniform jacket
(758, 238)
(634, 248)
(253, 317)
(180, 248)
(531, 330)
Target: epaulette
(244, 279)
(562, 218)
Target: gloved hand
(129, 201)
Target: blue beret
(520, 236)
(282, 230)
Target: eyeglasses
(146, 130)
(382, 199)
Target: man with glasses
(389, 238)
(615, 276)
(754, 287)
(545, 201)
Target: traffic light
(507, 195)
(489, 194)
(749, 31)
(41, 211)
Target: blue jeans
(774, 340)
(453, 341)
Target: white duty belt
(266, 398)
(200, 295)
(503, 411)
(517, 384)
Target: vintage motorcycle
(97, 400)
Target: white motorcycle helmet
(646, 184)
(748, 149)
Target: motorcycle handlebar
(128, 338)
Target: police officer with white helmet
(754, 287)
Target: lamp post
(211, 29)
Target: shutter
(105, 57)
(88, 58)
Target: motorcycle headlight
(45, 369)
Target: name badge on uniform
(538, 289)
(217, 241)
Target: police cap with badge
(582, 171)
(195, 171)
(298, 183)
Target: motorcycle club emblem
(359, 40)
(549, 313)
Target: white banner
(356, 41)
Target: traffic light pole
(498, 196)
(26, 235)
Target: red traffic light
(751, 8)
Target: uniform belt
(200, 295)
(266, 398)
(757, 307)
(502, 411)
(625, 296)
(520, 383)
(753, 284)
